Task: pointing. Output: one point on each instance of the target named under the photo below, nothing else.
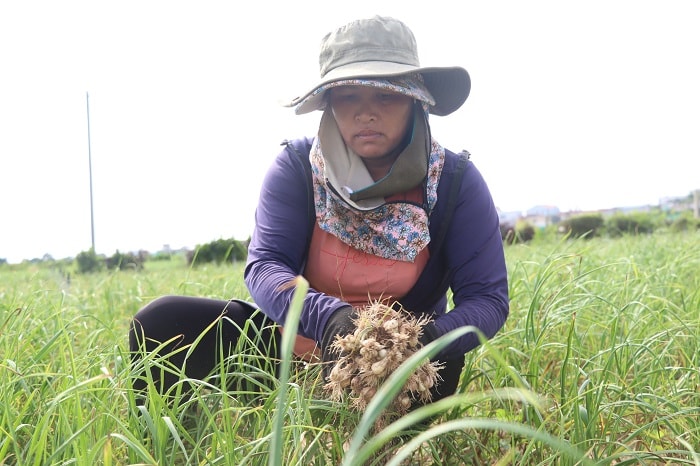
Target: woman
(371, 209)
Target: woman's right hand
(340, 323)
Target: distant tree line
(89, 262)
(590, 225)
(585, 225)
(218, 251)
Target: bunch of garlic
(383, 339)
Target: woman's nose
(365, 112)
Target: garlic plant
(383, 339)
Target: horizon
(166, 247)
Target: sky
(578, 105)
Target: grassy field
(599, 363)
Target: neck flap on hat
(395, 230)
(348, 176)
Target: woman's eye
(390, 97)
(346, 97)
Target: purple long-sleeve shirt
(471, 260)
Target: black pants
(183, 319)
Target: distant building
(509, 218)
(543, 211)
(690, 202)
(543, 215)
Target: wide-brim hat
(381, 47)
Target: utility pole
(92, 211)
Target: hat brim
(449, 86)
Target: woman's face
(372, 121)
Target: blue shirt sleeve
(276, 254)
(476, 260)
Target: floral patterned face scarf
(392, 230)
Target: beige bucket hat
(380, 47)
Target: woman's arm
(276, 254)
(475, 256)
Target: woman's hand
(430, 333)
(340, 323)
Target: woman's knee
(153, 318)
(189, 316)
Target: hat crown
(381, 39)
